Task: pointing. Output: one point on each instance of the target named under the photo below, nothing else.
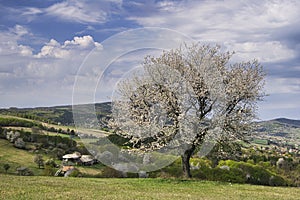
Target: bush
(6, 167)
(2, 133)
(5, 121)
(49, 170)
(38, 159)
(254, 174)
(75, 173)
(24, 171)
(233, 175)
(117, 139)
(108, 172)
(50, 162)
(173, 170)
(20, 144)
(277, 181)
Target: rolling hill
(281, 131)
(56, 114)
(272, 139)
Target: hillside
(56, 114)
(288, 122)
(280, 132)
(16, 158)
(270, 141)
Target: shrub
(2, 133)
(108, 172)
(6, 167)
(38, 159)
(277, 181)
(217, 174)
(75, 173)
(50, 162)
(49, 170)
(24, 171)
(117, 139)
(174, 170)
(19, 143)
(254, 174)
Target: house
(74, 158)
(77, 158)
(65, 171)
(87, 160)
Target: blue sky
(43, 43)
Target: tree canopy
(186, 96)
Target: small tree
(49, 167)
(19, 143)
(185, 96)
(38, 159)
(6, 167)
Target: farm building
(77, 158)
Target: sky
(43, 44)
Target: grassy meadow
(47, 187)
(22, 187)
(16, 158)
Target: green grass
(88, 131)
(16, 158)
(260, 141)
(91, 188)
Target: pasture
(37, 187)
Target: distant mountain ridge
(280, 131)
(56, 114)
(286, 121)
(63, 114)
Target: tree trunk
(185, 158)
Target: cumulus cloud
(248, 25)
(69, 48)
(265, 30)
(9, 42)
(49, 74)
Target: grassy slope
(90, 188)
(16, 158)
(94, 132)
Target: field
(16, 158)
(42, 187)
(21, 187)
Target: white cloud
(32, 11)
(25, 50)
(9, 42)
(85, 41)
(78, 11)
(269, 51)
(75, 47)
(195, 16)
(248, 26)
(52, 49)
(47, 76)
(278, 85)
(253, 29)
(19, 30)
